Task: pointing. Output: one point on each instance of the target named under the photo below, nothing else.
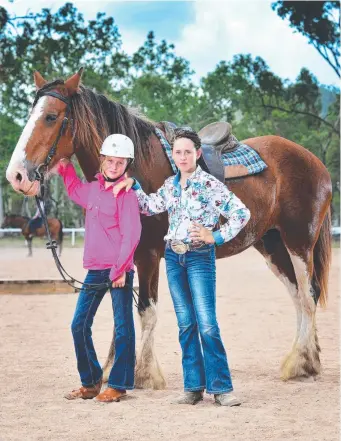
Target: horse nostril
(18, 177)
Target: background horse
(55, 226)
(289, 204)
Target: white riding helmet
(118, 145)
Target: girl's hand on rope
(64, 161)
(120, 281)
(198, 233)
(127, 184)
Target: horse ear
(39, 80)
(72, 84)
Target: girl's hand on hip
(198, 233)
(127, 184)
(120, 281)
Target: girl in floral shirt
(194, 200)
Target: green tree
(55, 44)
(160, 59)
(319, 21)
(9, 136)
(160, 84)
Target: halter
(40, 170)
(40, 176)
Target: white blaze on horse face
(16, 163)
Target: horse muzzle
(19, 179)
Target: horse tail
(322, 260)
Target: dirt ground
(257, 321)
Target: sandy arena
(257, 321)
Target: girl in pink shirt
(112, 233)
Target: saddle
(216, 139)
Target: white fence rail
(336, 231)
(73, 232)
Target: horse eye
(50, 118)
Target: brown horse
(289, 204)
(16, 221)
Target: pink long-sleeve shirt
(112, 225)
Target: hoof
(150, 377)
(300, 363)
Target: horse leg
(60, 247)
(304, 359)
(278, 260)
(148, 373)
(60, 238)
(110, 360)
(59, 241)
(29, 245)
(309, 252)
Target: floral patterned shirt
(203, 200)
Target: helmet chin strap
(111, 179)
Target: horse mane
(94, 117)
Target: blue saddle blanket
(247, 156)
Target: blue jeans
(90, 371)
(192, 284)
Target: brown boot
(86, 393)
(110, 395)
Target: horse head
(47, 124)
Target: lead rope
(52, 245)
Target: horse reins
(40, 176)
